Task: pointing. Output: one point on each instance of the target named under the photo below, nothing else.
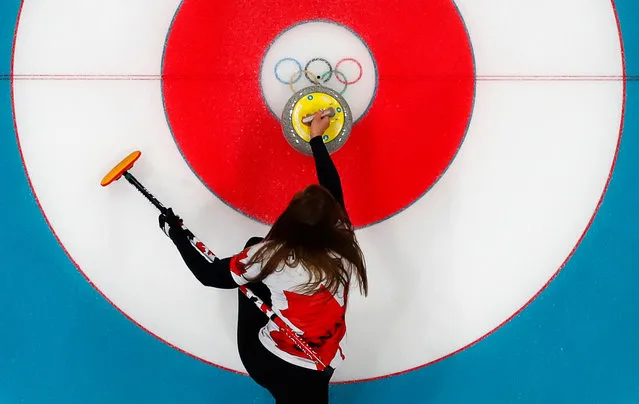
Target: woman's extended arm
(215, 274)
(327, 174)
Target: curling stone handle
(329, 112)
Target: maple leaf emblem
(236, 264)
(321, 318)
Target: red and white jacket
(319, 317)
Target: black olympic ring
(321, 76)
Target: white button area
(332, 52)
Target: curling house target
(457, 158)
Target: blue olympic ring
(299, 68)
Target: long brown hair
(316, 232)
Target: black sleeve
(327, 174)
(216, 274)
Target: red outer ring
(394, 154)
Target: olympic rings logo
(328, 72)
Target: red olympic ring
(359, 66)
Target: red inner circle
(394, 154)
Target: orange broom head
(123, 166)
